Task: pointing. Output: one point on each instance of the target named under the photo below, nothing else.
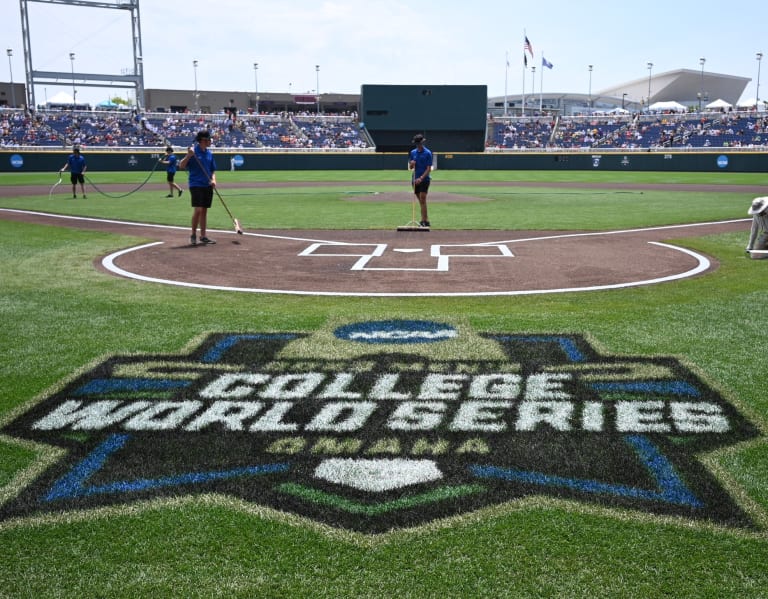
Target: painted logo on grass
(396, 331)
(385, 425)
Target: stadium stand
(638, 131)
(312, 132)
(121, 129)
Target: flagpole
(541, 85)
(547, 64)
(525, 68)
(527, 47)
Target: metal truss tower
(134, 80)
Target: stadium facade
(692, 89)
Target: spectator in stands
(758, 236)
(77, 167)
(171, 164)
(421, 164)
(201, 168)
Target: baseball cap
(758, 205)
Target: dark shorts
(202, 197)
(169, 177)
(77, 178)
(422, 187)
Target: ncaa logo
(396, 332)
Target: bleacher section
(644, 131)
(62, 129)
(120, 129)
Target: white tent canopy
(749, 103)
(673, 106)
(62, 98)
(718, 104)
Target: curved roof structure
(686, 86)
(682, 85)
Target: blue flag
(546, 63)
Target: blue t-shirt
(423, 159)
(76, 164)
(172, 160)
(197, 176)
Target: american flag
(527, 46)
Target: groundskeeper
(758, 236)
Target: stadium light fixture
(701, 90)
(650, 71)
(9, 51)
(256, 83)
(759, 57)
(74, 91)
(317, 86)
(590, 89)
(197, 107)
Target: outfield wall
(146, 160)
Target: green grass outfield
(60, 314)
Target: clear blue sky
(390, 41)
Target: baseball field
(283, 414)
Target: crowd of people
(132, 129)
(681, 131)
(311, 131)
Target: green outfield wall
(146, 160)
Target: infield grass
(353, 204)
(60, 314)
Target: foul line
(620, 231)
(129, 223)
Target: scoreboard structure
(453, 118)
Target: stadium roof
(685, 86)
(682, 85)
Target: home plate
(377, 475)
(407, 250)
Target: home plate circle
(377, 475)
(381, 263)
(386, 263)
